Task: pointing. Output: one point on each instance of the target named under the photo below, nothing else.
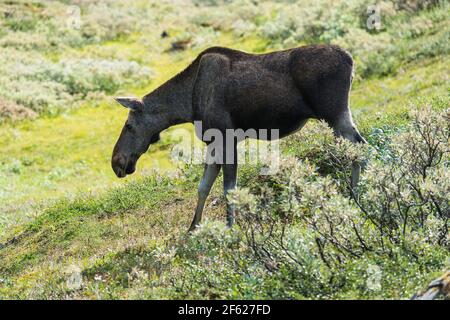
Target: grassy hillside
(69, 229)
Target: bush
(400, 211)
(302, 234)
(46, 86)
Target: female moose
(230, 89)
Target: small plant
(46, 87)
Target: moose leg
(230, 175)
(209, 176)
(229, 183)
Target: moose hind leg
(344, 127)
(209, 176)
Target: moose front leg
(229, 183)
(209, 176)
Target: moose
(230, 89)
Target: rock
(439, 288)
(180, 45)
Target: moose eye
(128, 126)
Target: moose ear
(130, 103)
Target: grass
(91, 230)
(63, 209)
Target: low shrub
(300, 234)
(47, 87)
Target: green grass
(63, 208)
(63, 155)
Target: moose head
(141, 129)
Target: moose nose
(131, 167)
(118, 164)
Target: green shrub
(301, 235)
(46, 86)
(401, 210)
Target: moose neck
(175, 96)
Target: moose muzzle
(123, 165)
